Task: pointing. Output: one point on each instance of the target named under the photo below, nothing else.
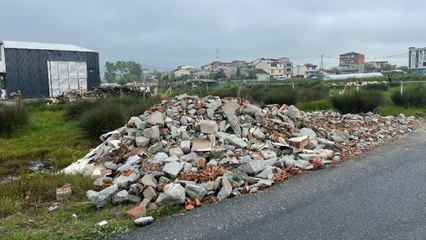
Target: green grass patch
(314, 105)
(47, 137)
(12, 118)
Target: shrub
(76, 109)
(414, 97)
(314, 106)
(111, 113)
(12, 117)
(311, 94)
(376, 86)
(277, 96)
(358, 102)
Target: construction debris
(192, 151)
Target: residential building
(45, 69)
(305, 70)
(214, 66)
(417, 58)
(272, 66)
(199, 73)
(181, 71)
(288, 66)
(231, 68)
(351, 62)
(262, 75)
(378, 65)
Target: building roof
(45, 46)
(351, 53)
(260, 71)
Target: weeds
(12, 118)
(358, 102)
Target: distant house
(183, 70)
(45, 69)
(379, 65)
(304, 70)
(262, 75)
(231, 68)
(275, 67)
(351, 62)
(214, 66)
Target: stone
(110, 165)
(172, 169)
(139, 124)
(185, 146)
(123, 181)
(258, 134)
(310, 133)
(155, 118)
(100, 182)
(155, 148)
(101, 198)
(288, 160)
(152, 132)
(268, 154)
(177, 152)
(252, 110)
(267, 173)
(134, 199)
(233, 121)
(148, 180)
(236, 141)
(230, 106)
(292, 112)
(143, 221)
(120, 197)
(142, 141)
(149, 193)
(195, 191)
(174, 131)
(302, 164)
(335, 137)
(173, 194)
(63, 193)
(201, 111)
(208, 126)
(225, 191)
(252, 167)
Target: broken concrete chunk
(173, 194)
(142, 141)
(208, 126)
(100, 199)
(252, 167)
(152, 132)
(236, 141)
(155, 118)
(143, 221)
(185, 146)
(172, 169)
(233, 121)
(120, 197)
(225, 190)
(195, 191)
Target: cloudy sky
(164, 34)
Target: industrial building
(39, 70)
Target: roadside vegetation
(60, 134)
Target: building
(288, 66)
(262, 75)
(351, 62)
(305, 70)
(232, 68)
(46, 70)
(379, 65)
(417, 58)
(271, 66)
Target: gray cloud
(164, 34)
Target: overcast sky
(165, 34)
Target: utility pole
(322, 63)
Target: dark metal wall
(26, 69)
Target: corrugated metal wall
(27, 69)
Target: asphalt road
(379, 195)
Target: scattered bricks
(63, 193)
(299, 142)
(201, 163)
(137, 212)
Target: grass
(48, 137)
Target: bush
(414, 97)
(311, 94)
(358, 102)
(76, 109)
(111, 113)
(12, 117)
(314, 106)
(376, 87)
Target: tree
(219, 74)
(336, 70)
(404, 68)
(238, 75)
(369, 67)
(388, 67)
(122, 71)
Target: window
(288, 69)
(288, 64)
(273, 64)
(424, 64)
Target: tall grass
(12, 117)
(411, 97)
(358, 102)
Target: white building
(417, 58)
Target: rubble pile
(190, 150)
(98, 93)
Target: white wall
(2, 61)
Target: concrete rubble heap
(190, 150)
